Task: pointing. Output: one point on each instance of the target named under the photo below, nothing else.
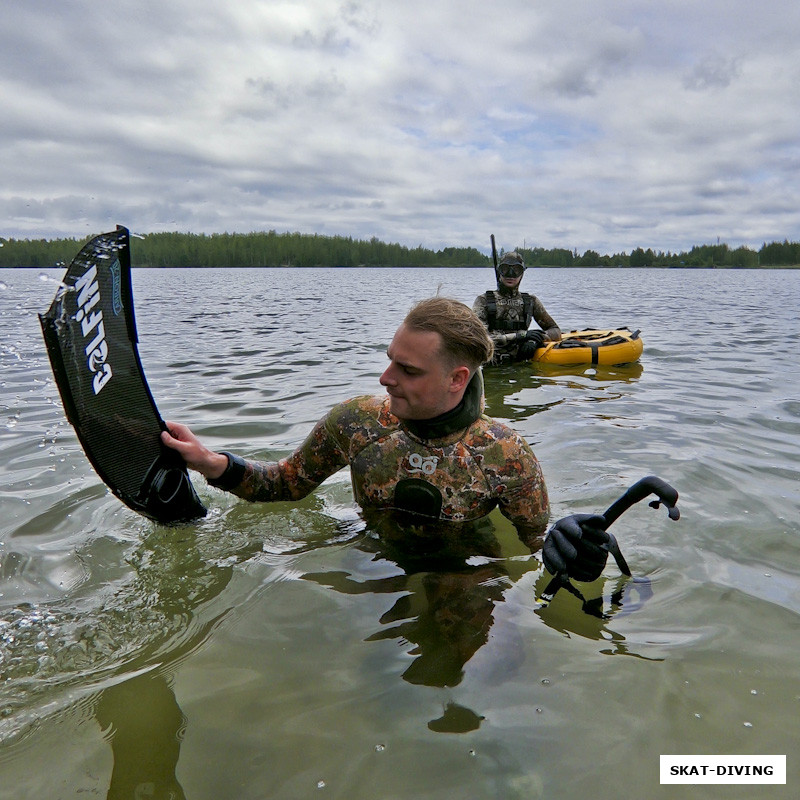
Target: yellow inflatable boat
(609, 347)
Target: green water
(276, 652)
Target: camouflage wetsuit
(507, 313)
(458, 477)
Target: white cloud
(607, 126)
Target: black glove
(577, 547)
(536, 336)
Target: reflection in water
(449, 596)
(145, 726)
(501, 387)
(592, 616)
(456, 719)
(146, 611)
(446, 607)
(622, 373)
(160, 611)
(445, 615)
(453, 622)
(504, 385)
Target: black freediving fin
(91, 339)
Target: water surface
(276, 651)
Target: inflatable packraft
(607, 347)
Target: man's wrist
(232, 473)
(217, 464)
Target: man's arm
(528, 509)
(290, 478)
(523, 493)
(545, 321)
(479, 307)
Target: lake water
(270, 651)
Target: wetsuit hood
(512, 258)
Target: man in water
(425, 448)
(507, 313)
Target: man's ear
(459, 378)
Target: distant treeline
(271, 249)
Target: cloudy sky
(587, 124)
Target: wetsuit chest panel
(451, 471)
(509, 312)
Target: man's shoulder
(355, 423)
(489, 430)
(505, 458)
(363, 410)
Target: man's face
(511, 283)
(419, 383)
(510, 275)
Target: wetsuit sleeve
(524, 498)
(479, 307)
(544, 320)
(296, 476)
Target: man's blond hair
(465, 339)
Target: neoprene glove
(535, 336)
(576, 546)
